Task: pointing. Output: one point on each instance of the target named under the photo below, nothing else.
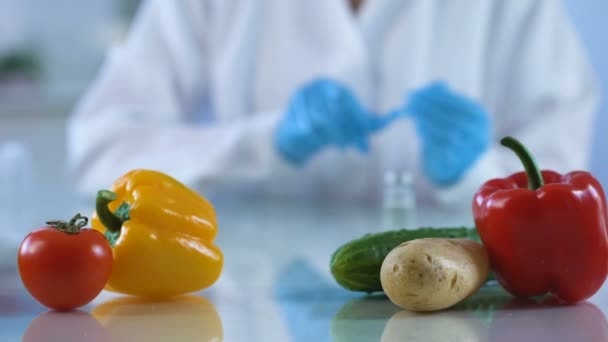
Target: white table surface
(276, 286)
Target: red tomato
(64, 267)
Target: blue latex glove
(454, 130)
(324, 113)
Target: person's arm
(136, 114)
(542, 90)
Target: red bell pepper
(543, 231)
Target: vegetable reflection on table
(184, 318)
(308, 301)
(491, 314)
(469, 320)
(73, 326)
(375, 318)
(548, 320)
(362, 319)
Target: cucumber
(356, 265)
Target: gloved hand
(454, 130)
(324, 113)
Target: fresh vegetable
(356, 265)
(162, 236)
(433, 274)
(544, 232)
(64, 266)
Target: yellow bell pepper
(161, 234)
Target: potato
(434, 273)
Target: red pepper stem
(535, 178)
(112, 222)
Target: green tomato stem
(71, 227)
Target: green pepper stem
(535, 178)
(112, 222)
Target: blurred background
(50, 51)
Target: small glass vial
(399, 201)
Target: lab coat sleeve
(541, 90)
(137, 113)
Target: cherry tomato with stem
(64, 266)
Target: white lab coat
(198, 87)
